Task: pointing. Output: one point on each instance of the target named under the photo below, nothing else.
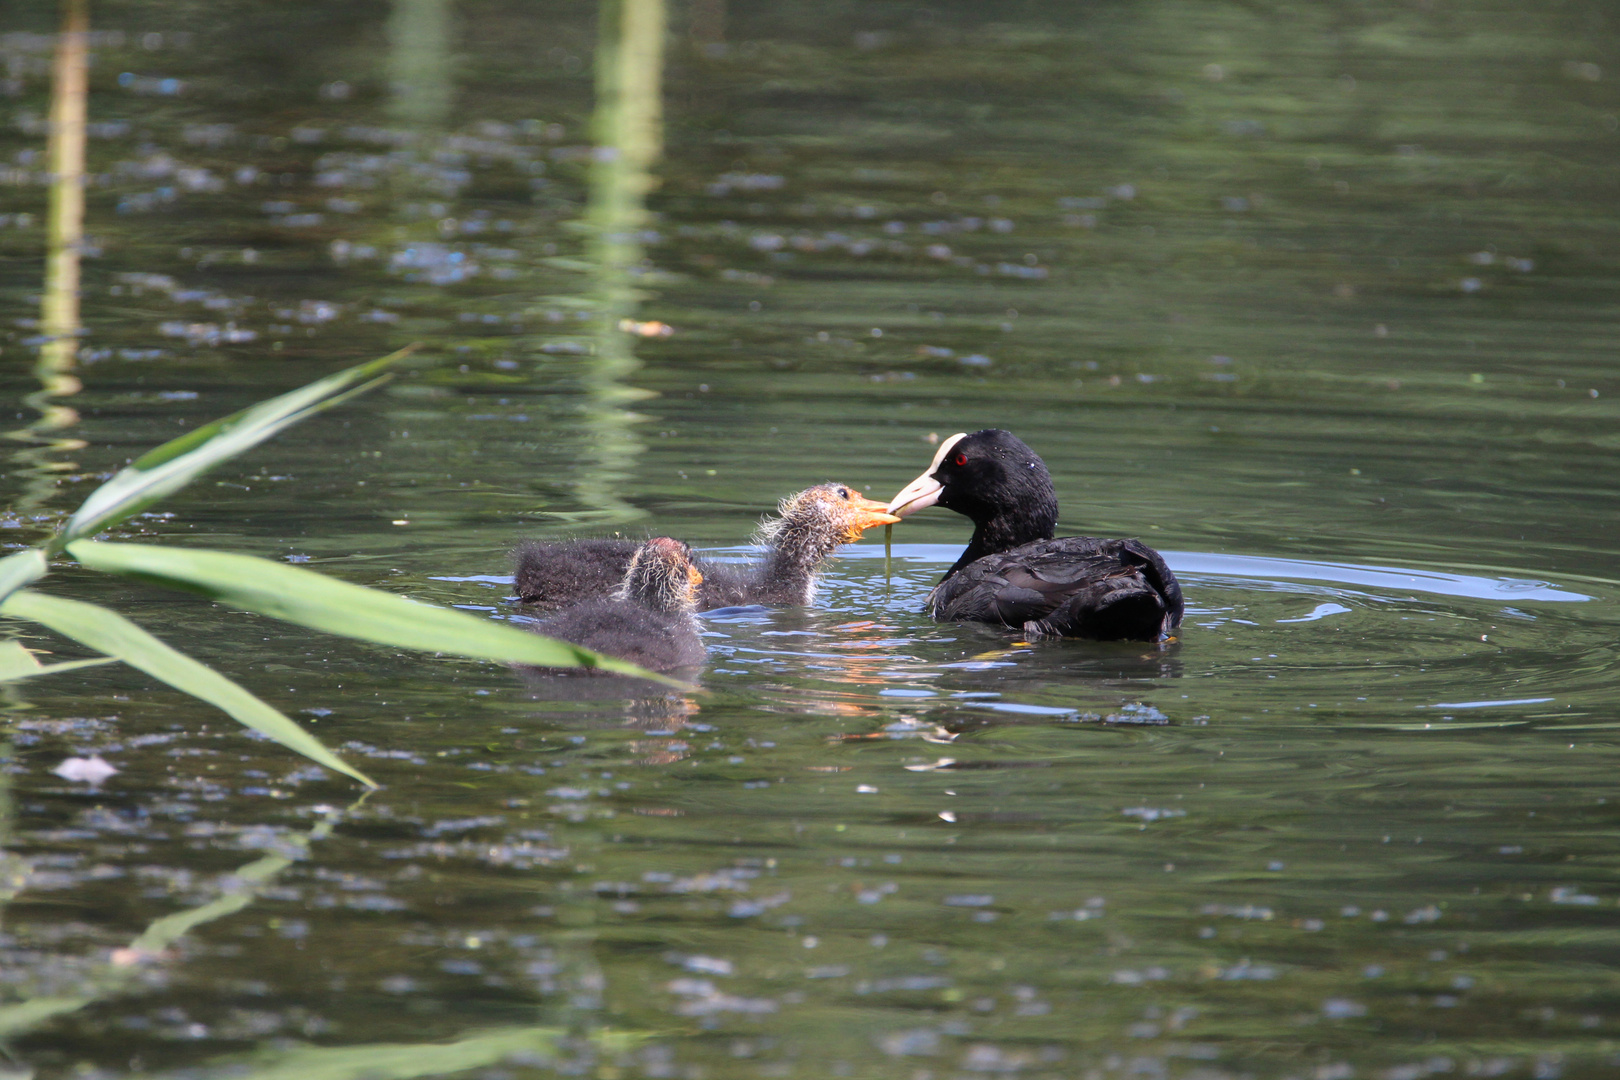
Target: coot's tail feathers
(1115, 609)
(1159, 577)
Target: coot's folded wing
(1077, 585)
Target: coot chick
(554, 573)
(1013, 572)
(812, 525)
(648, 619)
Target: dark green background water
(1332, 283)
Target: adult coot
(1013, 572)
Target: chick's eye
(961, 459)
(843, 493)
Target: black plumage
(1014, 572)
(1078, 586)
(811, 525)
(555, 573)
(655, 640)
(648, 619)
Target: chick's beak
(694, 577)
(869, 514)
(920, 494)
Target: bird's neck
(1003, 533)
(655, 592)
(791, 563)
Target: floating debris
(91, 770)
(646, 329)
(1152, 813)
(208, 333)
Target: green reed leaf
(110, 633)
(170, 467)
(23, 568)
(339, 607)
(17, 662)
(406, 1061)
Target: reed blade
(113, 635)
(319, 602)
(170, 467)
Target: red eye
(961, 459)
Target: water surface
(1316, 298)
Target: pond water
(1317, 298)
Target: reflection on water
(59, 321)
(1378, 577)
(627, 130)
(59, 303)
(420, 64)
(1200, 564)
(1312, 296)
